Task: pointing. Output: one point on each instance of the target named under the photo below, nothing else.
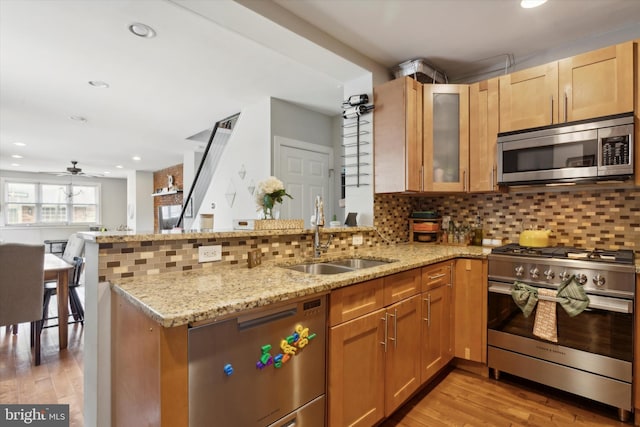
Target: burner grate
(621, 256)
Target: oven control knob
(549, 274)
(519, 271)
(598, 280)
(534, 272)
(564, 276)
(581, 278)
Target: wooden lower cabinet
(149, 370)
(636, 362)
(357, 371)
(402, 367)
(374, 359)
(436, 342)
(470, 301)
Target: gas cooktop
(620, 256)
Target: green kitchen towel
(572, 296)
(525, 297)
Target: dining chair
(73, 249)
(21, 291)
(50, 289)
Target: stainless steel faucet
(318, 212)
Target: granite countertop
(174, 299)
(131, 236)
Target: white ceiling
(461, 36)
(213, 57)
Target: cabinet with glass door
(446, 137)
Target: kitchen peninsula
(151, 287)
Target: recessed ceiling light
(119, 166)
(16, 156)
(528, 4)
(106, 172)
(78, 119)
(136, 158)
(15, 164)
(99, 83)
(142, 30)
(20, 144)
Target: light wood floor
(465, 399)
(460, 399)
(58, 379)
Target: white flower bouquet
(270, 192)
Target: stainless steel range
(593, 354)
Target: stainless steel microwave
(588, 150)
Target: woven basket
(278, 224)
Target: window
(36, 203)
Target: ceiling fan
(74, 170)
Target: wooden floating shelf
(166, 193)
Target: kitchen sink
(336, 266)
(358, 263)
(320, 268)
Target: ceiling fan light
(99, 84)
(529, 4)
(142, 30)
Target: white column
(140, 201)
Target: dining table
(56, 268)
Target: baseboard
(470, 366)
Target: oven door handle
(499, 288)
(610, 304)
(596, 302)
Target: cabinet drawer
(401, 285)
(436, 275)
(352, 301)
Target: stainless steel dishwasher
(266, 368)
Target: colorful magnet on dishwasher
(228, 369)
(277, 361)
(265, 358)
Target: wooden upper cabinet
(446, 137)
(483, 133)
(529, 98)
(597, 83)
(397, 128)
(590, 85)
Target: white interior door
(304, 169)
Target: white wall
(250, 146)
(295, 122)
(292, 121)
(113, 193)
(360, 199)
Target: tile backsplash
(141, 258)
(599, 218)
